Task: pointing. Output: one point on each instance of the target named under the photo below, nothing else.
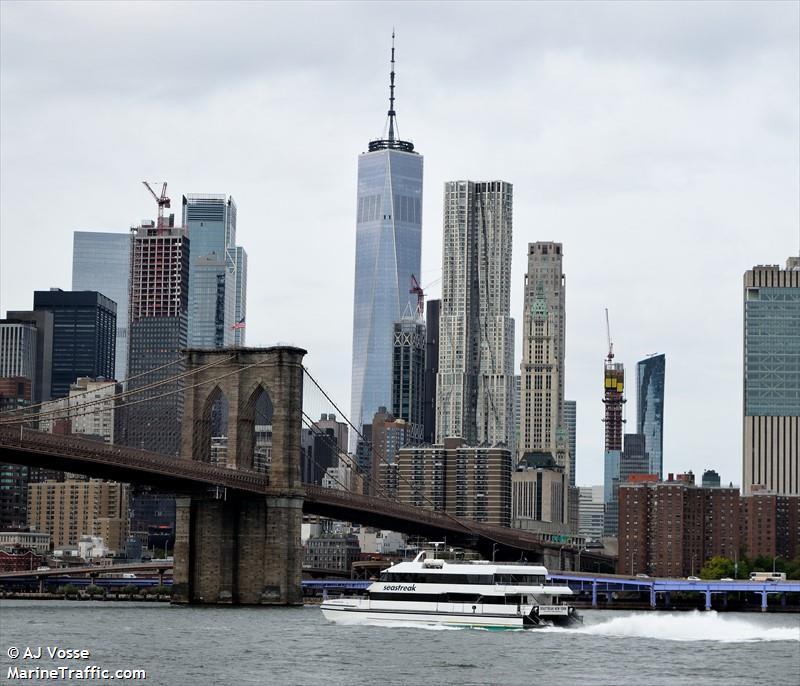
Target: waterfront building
(432, 308)
(70, 509)
(210, 224)
(771, 437)
(152, 517)
(157, 335)
(591, 512)
(388, 253)
(43, 362)
(650, 374)
(332, 552)
(539, 490)
(475, 380)
(19, 562)
(465, 481)
(32, 540)
(84, 336)
(570, 422)
(671, 528)
(101, 261)
(408, 375)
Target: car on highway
(692, 578)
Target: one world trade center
(388, 247)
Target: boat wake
(395, 624)
(689, 626)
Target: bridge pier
(763, 601)
(242, 551)
(708, 600)
(594, 593)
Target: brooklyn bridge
(237, 535)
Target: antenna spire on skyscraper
(392, 141)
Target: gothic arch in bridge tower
(250, 379)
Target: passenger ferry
(472, 594)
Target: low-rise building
(29, 540)
(332, 552)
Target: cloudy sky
(659, 142)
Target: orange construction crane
(161, 200)
(416, 288)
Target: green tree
(717, 568)
(129, 590)
(158, 590)
(94, 590)
(68, 590)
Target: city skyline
(607, 186)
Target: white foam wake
(693, 626)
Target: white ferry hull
(348, 615)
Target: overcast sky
(660, 143)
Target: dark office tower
(711, 479)
(158, 314)
(408, 375)
(570, 421)
(210, 223)
(102, 262)
(772, 378)
(84, 336)
(388, 249)
(431, 367)
(650, 409)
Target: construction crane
(161, 200)
(608, 336)
(417, 289)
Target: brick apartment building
(670, 528)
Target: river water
(195, 646)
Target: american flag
(239, 324)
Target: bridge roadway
(100, 460)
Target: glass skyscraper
(210, 222)
(388, 252)
(102, 262)
(772, 378)
(650, 374)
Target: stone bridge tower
(235, 548)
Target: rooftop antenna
(392, 140)
(391, 95)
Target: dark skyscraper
(431, 367)
(408, 375)
(388, 253)
(650, 409)
(84, 335)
